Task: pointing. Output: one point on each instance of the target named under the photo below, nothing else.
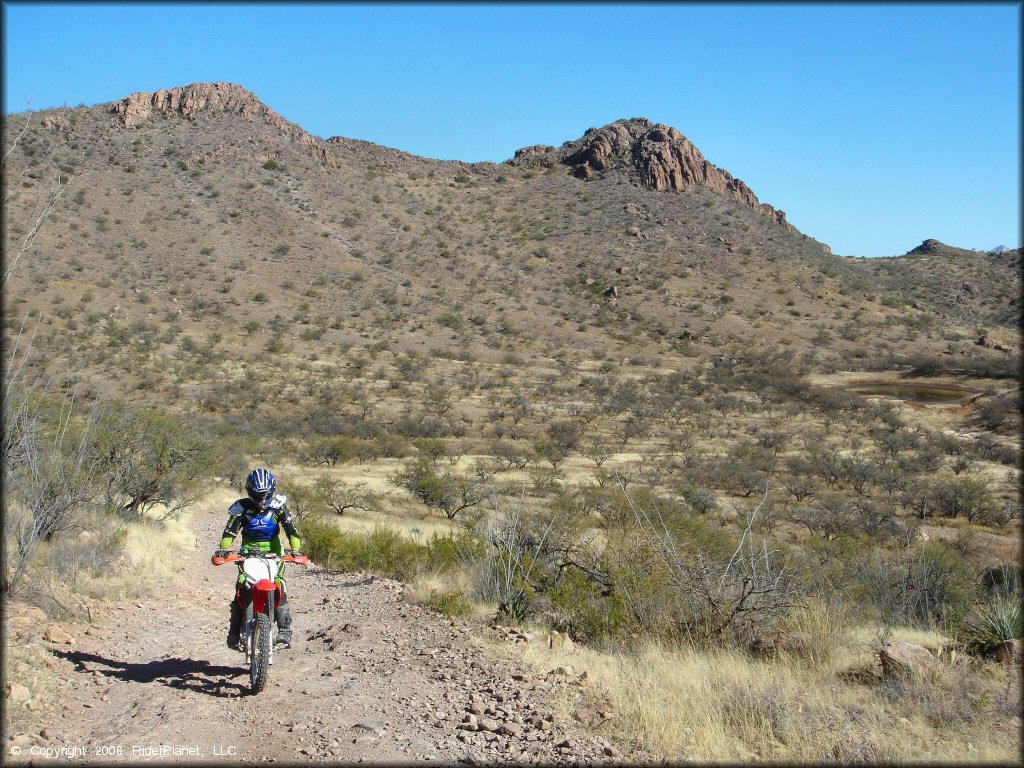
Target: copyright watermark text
(108, 751)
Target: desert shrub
(963, 495)
(584, 608)
(921, 586)
(430, 448)
(734, 476)
(511, 453)
(389, 447)
(983, 364)
(338, 496)
(425, 426)
(990, 450)
(800, 486)
(515, 556)
(1002, 579)
(49, 475)
(682, 578)
(301, 498)
(545, 481)
(149, 459)
(700, 499)
(383, 550)
(331, 450)
(989, 624)
(836, 514)
(1000, 413)
(446, 491)
(450, 604)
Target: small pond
(933, 394)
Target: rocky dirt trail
(369, 678)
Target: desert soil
(370, 677)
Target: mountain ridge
(585, 157)
(654, 155)
(208, 199)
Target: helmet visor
(262, 498)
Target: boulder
(902, 659)
(373, 729)
(510, 729)
(17, 693)
(791, 643)
(1010, 651)
(55, 634)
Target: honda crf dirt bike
(258, 596)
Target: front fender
(260, 590)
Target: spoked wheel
(260, 659)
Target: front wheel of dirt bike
(260, 661)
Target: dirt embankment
(370, 678)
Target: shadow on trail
(185, 674)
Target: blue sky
(873, 126)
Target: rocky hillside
(201, 224)
(970, 286)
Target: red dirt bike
(258, 595)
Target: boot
(235, 625)
(283, 617)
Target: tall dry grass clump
(723, 705)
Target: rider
(260, 517)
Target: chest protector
(259, 525)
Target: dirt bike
(258, 595)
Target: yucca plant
(991, 623)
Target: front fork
(250, 623)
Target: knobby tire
(259, 665)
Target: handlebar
(233, 557)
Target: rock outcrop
(929, 246)
(223, 97)
(658, 156)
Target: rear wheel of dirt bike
(259, 664)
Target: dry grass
(150, 558)
(724, 706)
(149, 554)
(428, 586)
